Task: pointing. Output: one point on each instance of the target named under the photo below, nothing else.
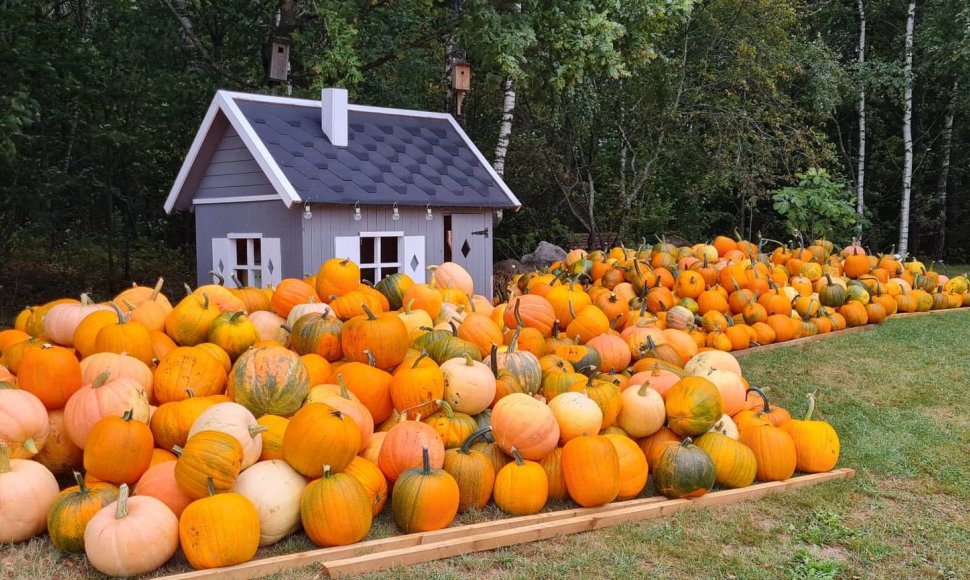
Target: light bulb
(429, 217)
(357, 216)
(396, 215)
(307, 214)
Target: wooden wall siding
(272, 219)
(233, 172)
(330, 221)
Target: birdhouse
(279, 60)
(461, 77)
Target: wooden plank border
(414, 548)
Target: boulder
(544, 255)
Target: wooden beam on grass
(422, 547)
(804, 340)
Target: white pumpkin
(274, 488)
(469, 385)
(308, 308)
(270, 326)
(726, 426)
(576, 415)
(27, 489)
(712, 359)
(62, 320)
(235, 420)
(642, 412)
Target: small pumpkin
(27, 489)
(233, 332)
(219, 530)
(734, 462)
(473, 471)
(816, 442)
(469, 385)
(684, 470)
(132, 536)
(73, 508)
(24, 423)
(424, 498)
(208, 455)
(235, 420)
(521, 487)
(335, 510)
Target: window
(380, 255)
(247, 266)
(251, 259)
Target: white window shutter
(272, 262)
(413, 258)
(347, 247)
(222, 259)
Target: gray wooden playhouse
(279, 185)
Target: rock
(508, 268)
(544, 255)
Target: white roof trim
(173, 193)
(237, 199)
(269, 166)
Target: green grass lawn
(899, 398)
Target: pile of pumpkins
(236, 416)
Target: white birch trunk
(861, 172)
(907, 132)
(505, 127)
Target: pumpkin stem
(80, 482)
(205, 300)
(255, 430)
(30, 446)
(122, 318)
(4, 458)
(468, 359)
(368, 311)
(127, 415)
(211, 486)
(687, 441)
(572, 311)
(514, 340)
(220, 279)
(157, 289)
(128, 305)
(177, 450)
(343, 386)
(326, 471)
(85, 299)
(811, 407)
(518, 316)
(190, 392)
(407, 307)
(517, 456)
(425, 461)
(370, 358)
(493, 359)
(101, 379)
(235, 316)
(643, 389)
(235, 280)
(761, 394)
(466, 446)
(122, 511)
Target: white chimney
(333, 115)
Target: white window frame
(379, 263)
(255, 271)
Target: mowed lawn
(899, 397)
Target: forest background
(636, 118)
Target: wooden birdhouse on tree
(461, 83)
(280, 60)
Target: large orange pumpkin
(269, 380)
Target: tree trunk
(861, 172)
(907, 132)
(505, 127)
(945, 170)
(454, 54)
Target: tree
(861, 170)
(817, 207)
(903, 246)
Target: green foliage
(817, 207)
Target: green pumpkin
(71, 511)
(452, 347)
(832, 295)
(684, 470)
(424, 341)
(393, 288)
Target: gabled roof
(392, 156)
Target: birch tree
(903, 245)
(861, 169)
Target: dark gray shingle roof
(389, 158)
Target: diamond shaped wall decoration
(222, 267)
(270, 266)
(465, 248)
(414, 263)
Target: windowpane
(389, 253)
(367, 250)
(388, 270)
(257, 252)
(243, 276)
(367, 274)
(242, 255)
(256, 278)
